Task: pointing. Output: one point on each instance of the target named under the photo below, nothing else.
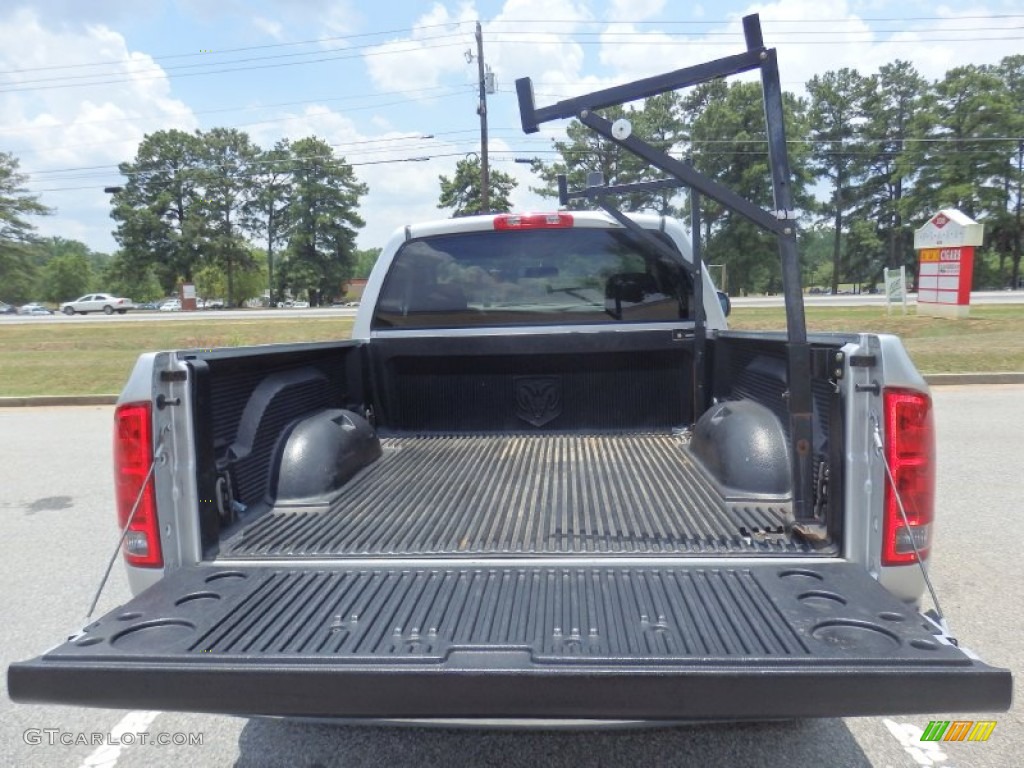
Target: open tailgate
(652, 642)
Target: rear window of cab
(532, 277)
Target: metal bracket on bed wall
(778, 221)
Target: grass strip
(96, 357)
(991, 339)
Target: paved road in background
(149, 316)
(842, 300)
(872, 299)
(58, 531)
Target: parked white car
(35, 308)
(174, 305)
(97, 302)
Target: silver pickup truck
(503, 498)
(541, 481)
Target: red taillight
(910, 451)
(533, 221)
(133, 455)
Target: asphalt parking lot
(59, 531)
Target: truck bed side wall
(244, 402)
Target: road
(55, 469)
(872, 299)
(842, 300)
(150, 316)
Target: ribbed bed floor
(531, 495)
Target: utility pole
(485, 176)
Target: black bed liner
(658, 642)
(525, 494)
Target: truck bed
(453, 495)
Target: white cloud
(522, 198)
(401, 193)
(401, 190)
(516, 43)
(972, 35)
(621, 44)
(933, 46)
(330, 17)
(273, 29)
(83, 122)
(840, 38)
(52, 129)
(433, 50)
(521, 46)
(313, 120)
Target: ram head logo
(538, 398)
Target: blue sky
(82, 82)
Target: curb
(933, 379)
(995, 377)
(14, 402)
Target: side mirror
(723, 299)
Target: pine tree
(730, 145)
(160, 214)
(228, 159)
(18, 270)
(892, 98)
(267, 212)
(836, 110)
(322, 221)
(462, 192)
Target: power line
(162, 74)
(246, 124)
(500, 22)
(708, 22)
(738, 36)
(221, 67)
(604, 35)
(356, 164)
(779, 41)
(341, 146)
(251, 108)
(164, 57)
(854, 149)
(163, 70)
(336, 146)
(521, 139)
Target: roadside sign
(946, 263)
(895, 288)
(188, 296)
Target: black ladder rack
(780, 221)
